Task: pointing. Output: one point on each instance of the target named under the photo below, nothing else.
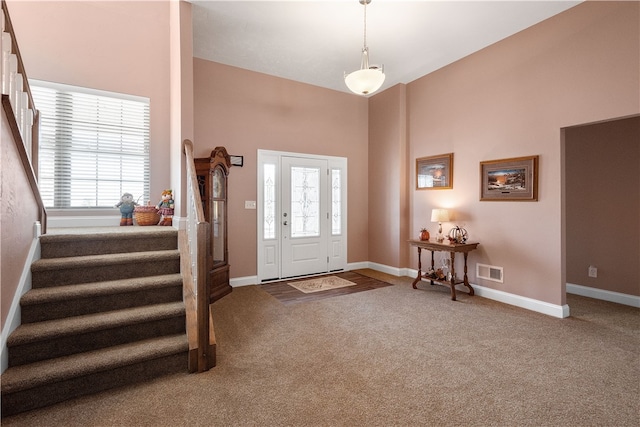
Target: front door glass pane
(269, 208)
(336, 203)
(305, 202)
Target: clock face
(218, 183)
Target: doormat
(321, 284)
(287, 294)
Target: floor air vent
(489, 272)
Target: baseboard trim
(14, 315)
(394, 271)
(602, 294)
(98, 221)
(179, 222)
(243, 281)
(554, 310)
(83, 221)
(358, 265)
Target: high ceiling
(315, 42)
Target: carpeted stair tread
(118, 240)
(97, 289)
(51, 329)
(137, 234)
(89, 261)
(53, 370)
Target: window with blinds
(94, 146)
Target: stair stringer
(24, 285)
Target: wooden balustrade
(20, 109)
(193, 247)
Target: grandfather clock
(213, 172)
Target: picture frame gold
(434, 172)
(514, 179)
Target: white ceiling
(315, 42)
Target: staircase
(105, 310)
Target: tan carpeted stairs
(105, 310)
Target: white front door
(305, 216)
(302, 214)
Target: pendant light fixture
(367, 79)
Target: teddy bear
(165, 208)
(126, 205)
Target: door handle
(285, 223)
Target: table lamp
(439, 216)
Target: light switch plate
(249, 204)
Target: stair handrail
(198, 241)
(25, 134)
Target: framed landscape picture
(509, 179)
(435, 172)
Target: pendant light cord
(365, 23)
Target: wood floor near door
(287, 294)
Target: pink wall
(509, 100)
(246, 111)
(181, 49)
(18, 214)
(119, 46)
(603, 204)
(389, 178)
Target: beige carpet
(393, 356)
(320, 284)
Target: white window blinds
(94, 146)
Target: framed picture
(509, 179)
(435, 172)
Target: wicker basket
(146, 215)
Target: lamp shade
(439, 215)
(364, 81)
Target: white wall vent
(489, 272)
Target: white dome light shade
(364, 81)
(367, 79)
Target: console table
(452, 248)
